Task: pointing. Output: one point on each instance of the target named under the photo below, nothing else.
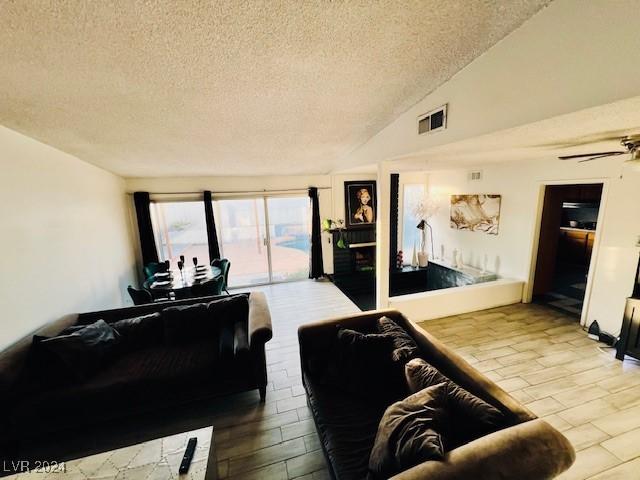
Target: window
(180, 229)
(412, 194)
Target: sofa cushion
(346, 426)
(404, 346)
(358, 363)
(408, 433)
(141, 380)
(470, 416)
(140, 332)
(186, 323)
(76, 355)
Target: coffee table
(157, 459)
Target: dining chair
(139, 297)
(150, 269)
(208, 288)
(224, 265)
(183, 293)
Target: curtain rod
(214, 192)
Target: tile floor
(539, 355)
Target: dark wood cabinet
(575, 246)
(589, 193)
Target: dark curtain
(214, 248)
(393, 223)
(316, 269)
(145, 228)
(636, 287)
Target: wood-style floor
(538, 355)
(277, 440)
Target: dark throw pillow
(408, 433)
(186, 323)
(470, 416)
(361, 364)
(75, 356)
(404, 346)
(140, 332)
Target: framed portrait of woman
(360, 203)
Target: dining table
(177, 281)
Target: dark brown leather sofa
(155, 378)
(529, 449)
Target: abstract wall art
(476, 213)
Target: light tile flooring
(540, 356)
(544, 359)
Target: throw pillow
(408, 433)
(405, 347)
(186, 323)
(77, 354)
(471, 417)
(140, 332)
(361, 364)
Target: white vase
(414, 257)
(423, 259)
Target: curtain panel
(212, 236)
(316, 268)
(145, 228)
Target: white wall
(65, 243)
(571, 55)
(510, 252)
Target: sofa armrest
(531, 450)
(260, 331)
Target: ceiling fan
(630, 143)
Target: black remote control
(188, 456)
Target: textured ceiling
(165, 88)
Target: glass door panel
(289, 221)
(243, 240)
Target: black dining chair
(208, 288)
(224, 265)
(183, 294)
(150, 269)
(139, 297)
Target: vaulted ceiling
(231, 87)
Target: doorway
(266, 238)
(568, 230)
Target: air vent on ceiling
(475, 175)
(433, 121)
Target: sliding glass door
(265, 238)
(289, 234)
(242, 235)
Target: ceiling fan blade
(594, 155)
(611, 135)
(610, 154)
